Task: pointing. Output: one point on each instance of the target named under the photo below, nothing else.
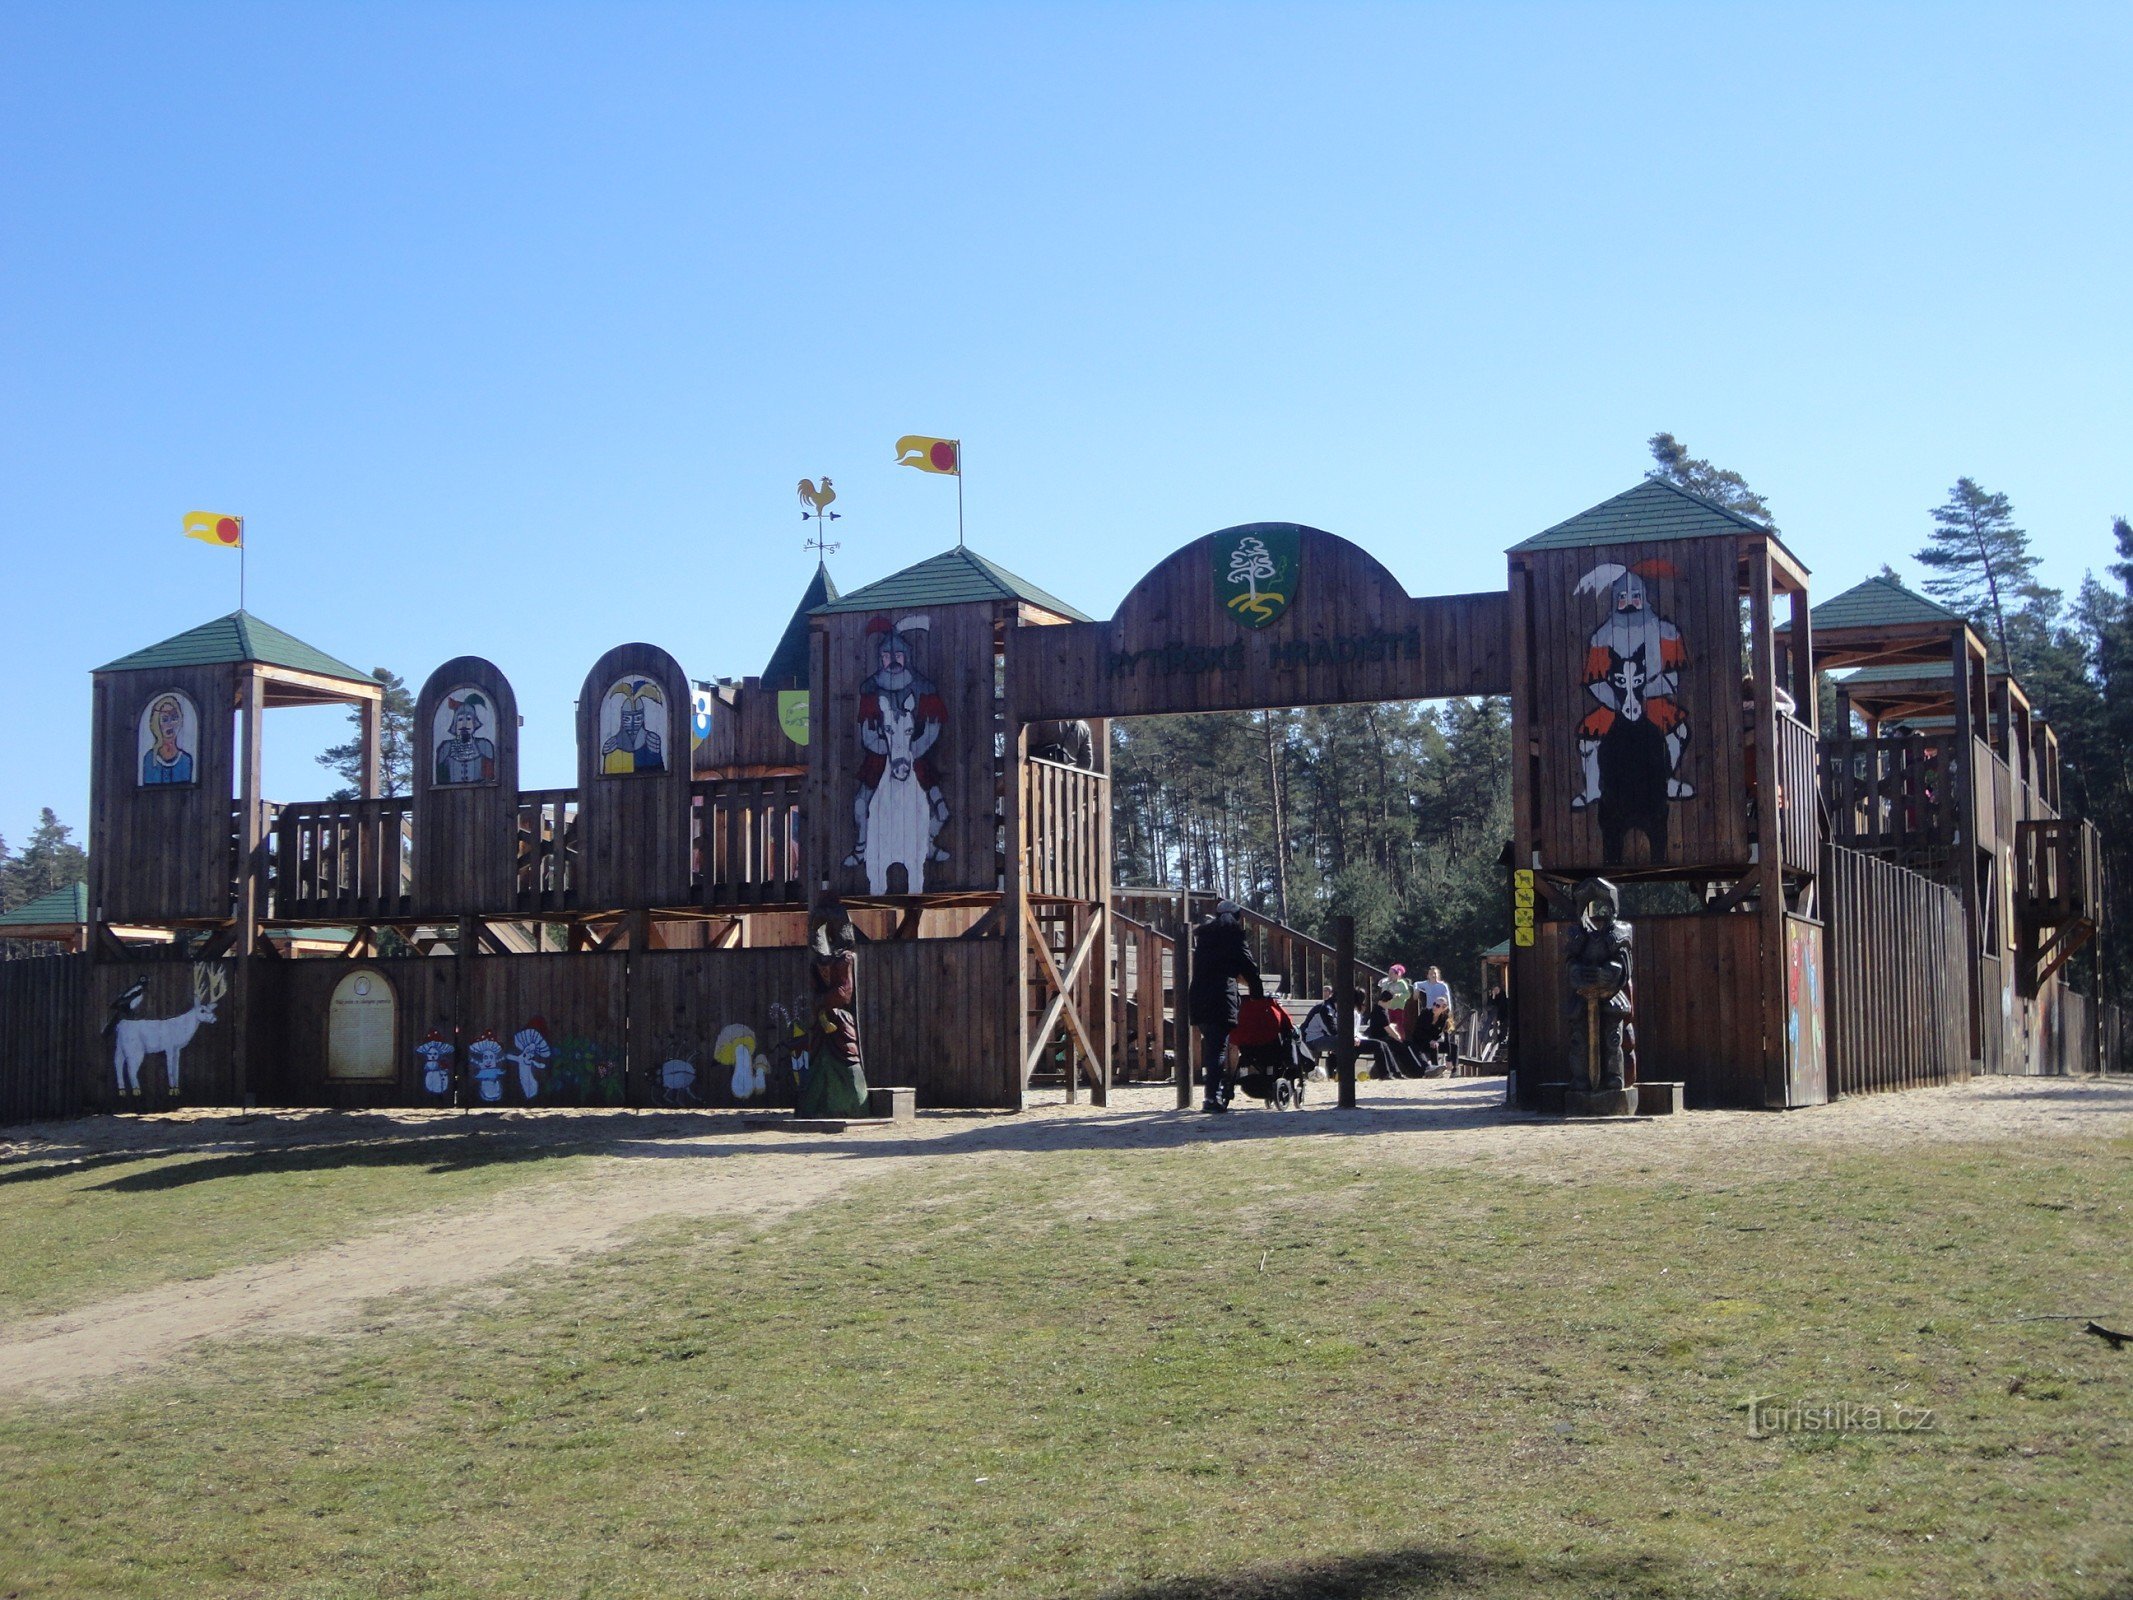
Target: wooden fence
(350, 859)
(1799, 796)
(354, 860)
(1143, 1008)
(43, 1003)
(1887, 796)
(547, 849)
(747, 835)
(1064, 811)
(1899, 992)
(609, 1024)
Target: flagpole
(240, 563)
(959, 494)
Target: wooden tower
(1657, 741)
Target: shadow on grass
(460, 1153)
(328, 1140)
(1416, 1571)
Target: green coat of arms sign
(1256, 571)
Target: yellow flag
(930, 455)
(212, 527)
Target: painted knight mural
(633, 727)
(465, 750)
(1630, 744)
(899, 809)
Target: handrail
(747, 841)
(1064, 811)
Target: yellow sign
(792, 714)
(1522, 878)
(1522, 937)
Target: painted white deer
(138, 1038)
(897, 815)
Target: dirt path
(713, 1170)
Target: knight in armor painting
(636, 719)
(463, 755)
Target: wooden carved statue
(1602, 974)
(836, 1081)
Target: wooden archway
(1345, 631)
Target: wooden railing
(747, 841)
(344, 859)
(1144, 1014)
(1299, 964)
(1064, 810)
(2058, 871)
(547, 834)
(1799, 796)
(1889, 796)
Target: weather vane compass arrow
(815, 507)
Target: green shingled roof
(240, 636)
(1653, 510)
(70, 904)
(1900, 673)
(954, 577)
(1878, 603)
(788, 667)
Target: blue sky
(510, 328)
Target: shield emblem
(1256, 570)
(792, 714)
(699, 717)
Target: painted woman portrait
(169, 731)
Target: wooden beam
(1063, 987)
(1762, 668)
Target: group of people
(1402, 1029)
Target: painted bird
(818, 499)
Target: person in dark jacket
(1221, 960)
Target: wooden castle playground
(1874, 910)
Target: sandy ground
(658, 1165)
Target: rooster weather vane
(815, 507)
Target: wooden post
(1770, 847)
(1524, 832)
(1344, 996)
(1807, 699)
(1959, 774)
(1014, 885)
(1181, 1004)
(372, 784)
(250, 867)
(1106, 1039)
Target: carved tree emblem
(1256, 572)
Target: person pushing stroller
(1221, 960)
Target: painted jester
(899, 808)
(1630, 744)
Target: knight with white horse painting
(899, 809)
(135, 1039)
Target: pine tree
(1716, 484)
(51, 860)
(396, 744)
(1985, 566)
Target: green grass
(1251, 1370)
(74, 1229)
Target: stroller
(1271, 1060)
